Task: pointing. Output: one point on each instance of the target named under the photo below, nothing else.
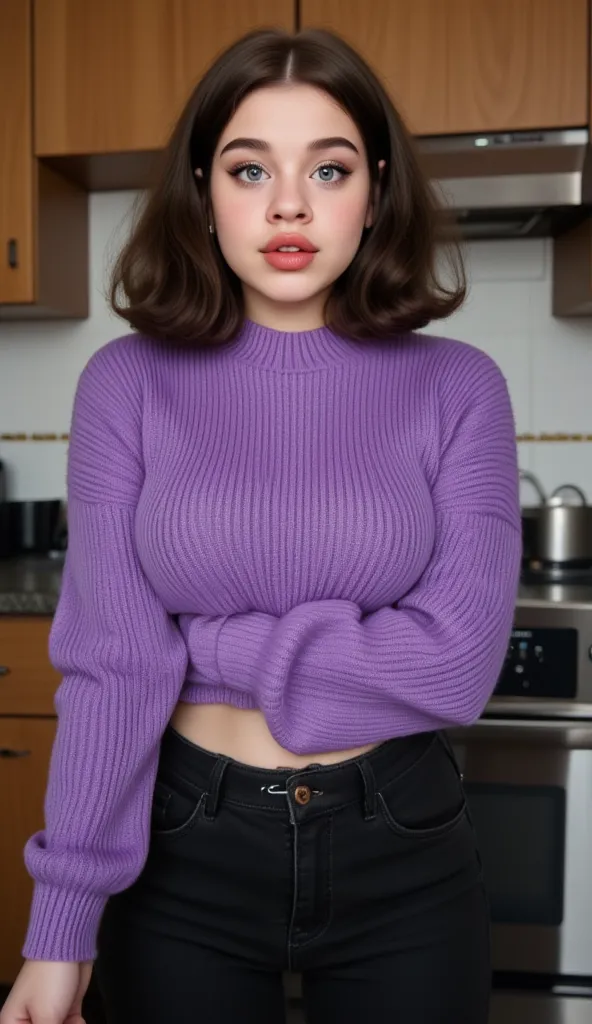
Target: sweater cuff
(200, 633)
(63, 925)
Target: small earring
(211, 229)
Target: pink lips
(288, 260)
(286, 238)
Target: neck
(287, 316)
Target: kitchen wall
(548, 362)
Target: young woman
(294, 547)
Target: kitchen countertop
(30, 584)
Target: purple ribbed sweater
(325, 529)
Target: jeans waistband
(321, 787)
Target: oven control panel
(540, 663)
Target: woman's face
(271, 174)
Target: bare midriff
(244, 736)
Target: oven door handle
(572, 733)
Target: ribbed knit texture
(325, 529)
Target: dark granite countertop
(30, 584)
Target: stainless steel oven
(548, 667)
(529, 790)
(527, 767)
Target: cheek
(235, 209)
(347, 216)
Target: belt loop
(214, 784)
(369, 788)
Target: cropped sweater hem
(201, 693)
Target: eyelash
(330, 184)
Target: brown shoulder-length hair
(175, 282)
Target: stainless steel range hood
(512, 184)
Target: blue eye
(238, 170)
(247, 167)
(332, 167)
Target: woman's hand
(47, 992)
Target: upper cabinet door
(112, 75)
(16, 154)
(471, 65)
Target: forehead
(289, 117)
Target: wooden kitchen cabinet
(471, 65)
(25, 750)
(16, 153)
(572, 271)
(111, 76)
(43, 218)
(28, 683)
(28, 680)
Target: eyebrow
(333, 142)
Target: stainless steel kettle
(556, 531)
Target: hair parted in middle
(171, 280)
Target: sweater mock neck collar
(292, 350)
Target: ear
(372, 204)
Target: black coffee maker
(30, 527)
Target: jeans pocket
(176, 808)
(428, 799)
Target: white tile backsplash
(36, 470)
(560, 462)
(547, 362)
(510, 261)
(562, 376)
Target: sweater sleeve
(123, 662)
(328, 677)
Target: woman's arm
(123, 662)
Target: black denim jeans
(364, 876)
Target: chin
(293, 286)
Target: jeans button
(302, 794)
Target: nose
(289, 203)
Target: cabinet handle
(7, 752)
(4, 670)
(12, 253)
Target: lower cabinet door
(25, 749)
